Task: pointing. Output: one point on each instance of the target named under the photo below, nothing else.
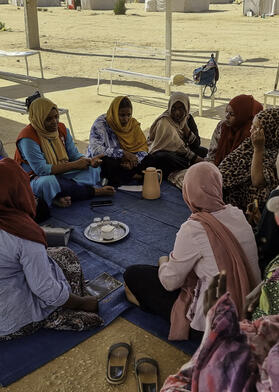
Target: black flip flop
(147, 373)
(117, 362)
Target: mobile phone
(100, 203)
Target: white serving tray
(121, 231)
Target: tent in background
(177, 5)
(40, 3)
(261, 7)
(221, 1)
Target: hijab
(202, 191)
(169, 135)
(245, 107)
(131, 138)
(17, 203)
(51, 144)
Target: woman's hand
(258, 139)
(76, 302)
(252, 301)
(216, 289)
(129, 160)
(253, 213)
(89, 304)
(198, 159)
(97, 160)
(163, 259)
(105, 191)
(81, 164)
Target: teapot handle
(160, 175)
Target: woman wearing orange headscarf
(118, 137)
(231, 132)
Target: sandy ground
(74, 46)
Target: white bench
(146, 54)
(275, 92)
(15, 105)
(25, 54)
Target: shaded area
(192, 59)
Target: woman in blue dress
(58, 172)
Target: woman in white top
(215, 237)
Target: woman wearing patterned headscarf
(118, 137)
(174, 139)
(231, 132)
(243, 179)
(59, 174)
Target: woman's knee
(45, 184)
(129, 274)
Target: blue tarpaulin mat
(153, 225)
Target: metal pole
(31, 24)
(168, 35)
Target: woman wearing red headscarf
(36, 290)
(231, 132)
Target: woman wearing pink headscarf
(215, 237)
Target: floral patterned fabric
(233, 356)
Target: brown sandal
(117, 362)
(147, 373)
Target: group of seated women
(45, 287)
(244, 147)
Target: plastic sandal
(117, 362)
(147, 373)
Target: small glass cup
(106, 220)
(93, 228)
(115, 224)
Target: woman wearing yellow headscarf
(59, 174)
(118, 137)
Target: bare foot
(105, 191)
(62, 202)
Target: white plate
(120, 232)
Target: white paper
(131, 188)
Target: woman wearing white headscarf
(173, 137)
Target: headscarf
(235, 168)
(17, 203)
(170, 135)
(131, 138)
(51, 144)
(202, 191)
(245, 107)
